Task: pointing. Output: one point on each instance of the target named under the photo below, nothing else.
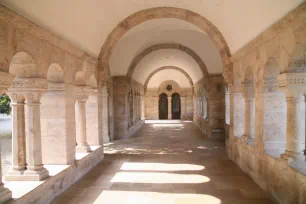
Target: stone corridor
(166, 162)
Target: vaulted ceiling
(87, 24)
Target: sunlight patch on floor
(135, 166)
(145, 177)
(168, 125)
(132, 197)
(162, 121)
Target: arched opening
(274, 109)
(176, 106)
(163, 106)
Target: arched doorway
(176, 106)
(163, 106)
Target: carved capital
(293, 84)
(5, 81)
(247, 91)
(33, 97)
(29, 84)
(82, 93)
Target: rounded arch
(92, 81)
(158, 13)
(173, 46)
(23, 66)
(165, 68)
(55, 73)
(80, 78)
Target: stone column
(105, 131)
(142, 108)
(5, 194)
(169, 108)
(248, 94)
(35, 169)
(80, 116)
(18, 135)
(294, 85)
(183, 107)
(32, 89)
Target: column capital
(82, 93)
(29, 89)
(293, 84)
(247, 90)
(5, 81)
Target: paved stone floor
(166, 163)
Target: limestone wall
(126, 106)
(152, 100)
(209, 111)
(259, 67)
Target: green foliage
(5, 107)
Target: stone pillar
(248, 95)
(80, 116)
(142, 108)
(35, 169)
(293, 84)
(105, 130)
(5, 194)
(94, 118)
(169, 108)
(239, 111)
(18, 135)
(58, 127)
(183, 107)
(32, 89)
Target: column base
(27, 175)
(5, 195)
(82, 148)
(291, 156)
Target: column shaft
(295, 139)
(169, 108)
(18, 137)
(105, 126)
(35, 169)
(81, 137)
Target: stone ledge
(61, 177)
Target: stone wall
(126, 110)
(209, 111)
(152, 100)
(273, 62)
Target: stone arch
(173, 46)
(92, 81)
(274, 110)
(22, 65)
(55, 73)
(80, 78)
(159, 13)
(165, 68)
